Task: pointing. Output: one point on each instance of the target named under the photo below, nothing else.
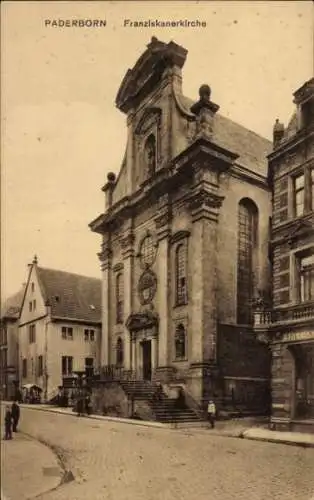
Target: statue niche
(150, 155)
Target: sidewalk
(28, 468)
(238, 428)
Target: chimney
(278, 132)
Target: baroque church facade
(185, 240)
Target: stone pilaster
(162, 222)
(105, 257)
(204, 206)
(127, 242)
(133, 354)
(130, 153)
(282, 384)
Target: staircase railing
(116, 373)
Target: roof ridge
(231, 120)
(68, 272)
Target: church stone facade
(185, 235)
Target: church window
(119, 298)
(180, 271)
(247, 246)
(180, 342)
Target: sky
(62, 134)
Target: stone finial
(205, 110)
(111, 177)
(278, 132)
(35, 260)
(204, 92)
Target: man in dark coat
(15, 411)
(8, 423)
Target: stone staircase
(164, 409)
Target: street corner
(28, 468)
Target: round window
(147, 251)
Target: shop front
(293, 381)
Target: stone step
(164, 408)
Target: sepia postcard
(157, 250)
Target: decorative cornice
(292, 230)
(201, 150)
(127, 241)
(204, 198)
(162, 220)
(118, 267)
(179, 235)
(105, 254)
(291, 143)
(142, 320)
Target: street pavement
(113, 460)
(28, 468)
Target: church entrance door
(147, 359)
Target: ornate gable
(147, 72)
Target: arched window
(119, 349)
(150, 154)
(180, 342)
(247, 256)
(180, 275)
(119, 298)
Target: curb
(281, 441)
(66, 476)
(277, 440)
(142, 423)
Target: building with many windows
(289, 325)
(59, 327)
(9, 346)
(185, 236)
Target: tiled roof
(12, 306)
(71, 295)
(251, 147)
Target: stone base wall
(110, 399)
(243, 396)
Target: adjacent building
(59, 327)
(9, 345)
(185, 240)
(289, 325)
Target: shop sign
(297, 336)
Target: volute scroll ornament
(205, 198)
(127, 241)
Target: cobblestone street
(118, 461)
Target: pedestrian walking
(15, 411)
(8, 423)
(211, 413)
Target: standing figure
(8, 423)
(80, 403)
(88, 404)
(15, 411)
(211, 412)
